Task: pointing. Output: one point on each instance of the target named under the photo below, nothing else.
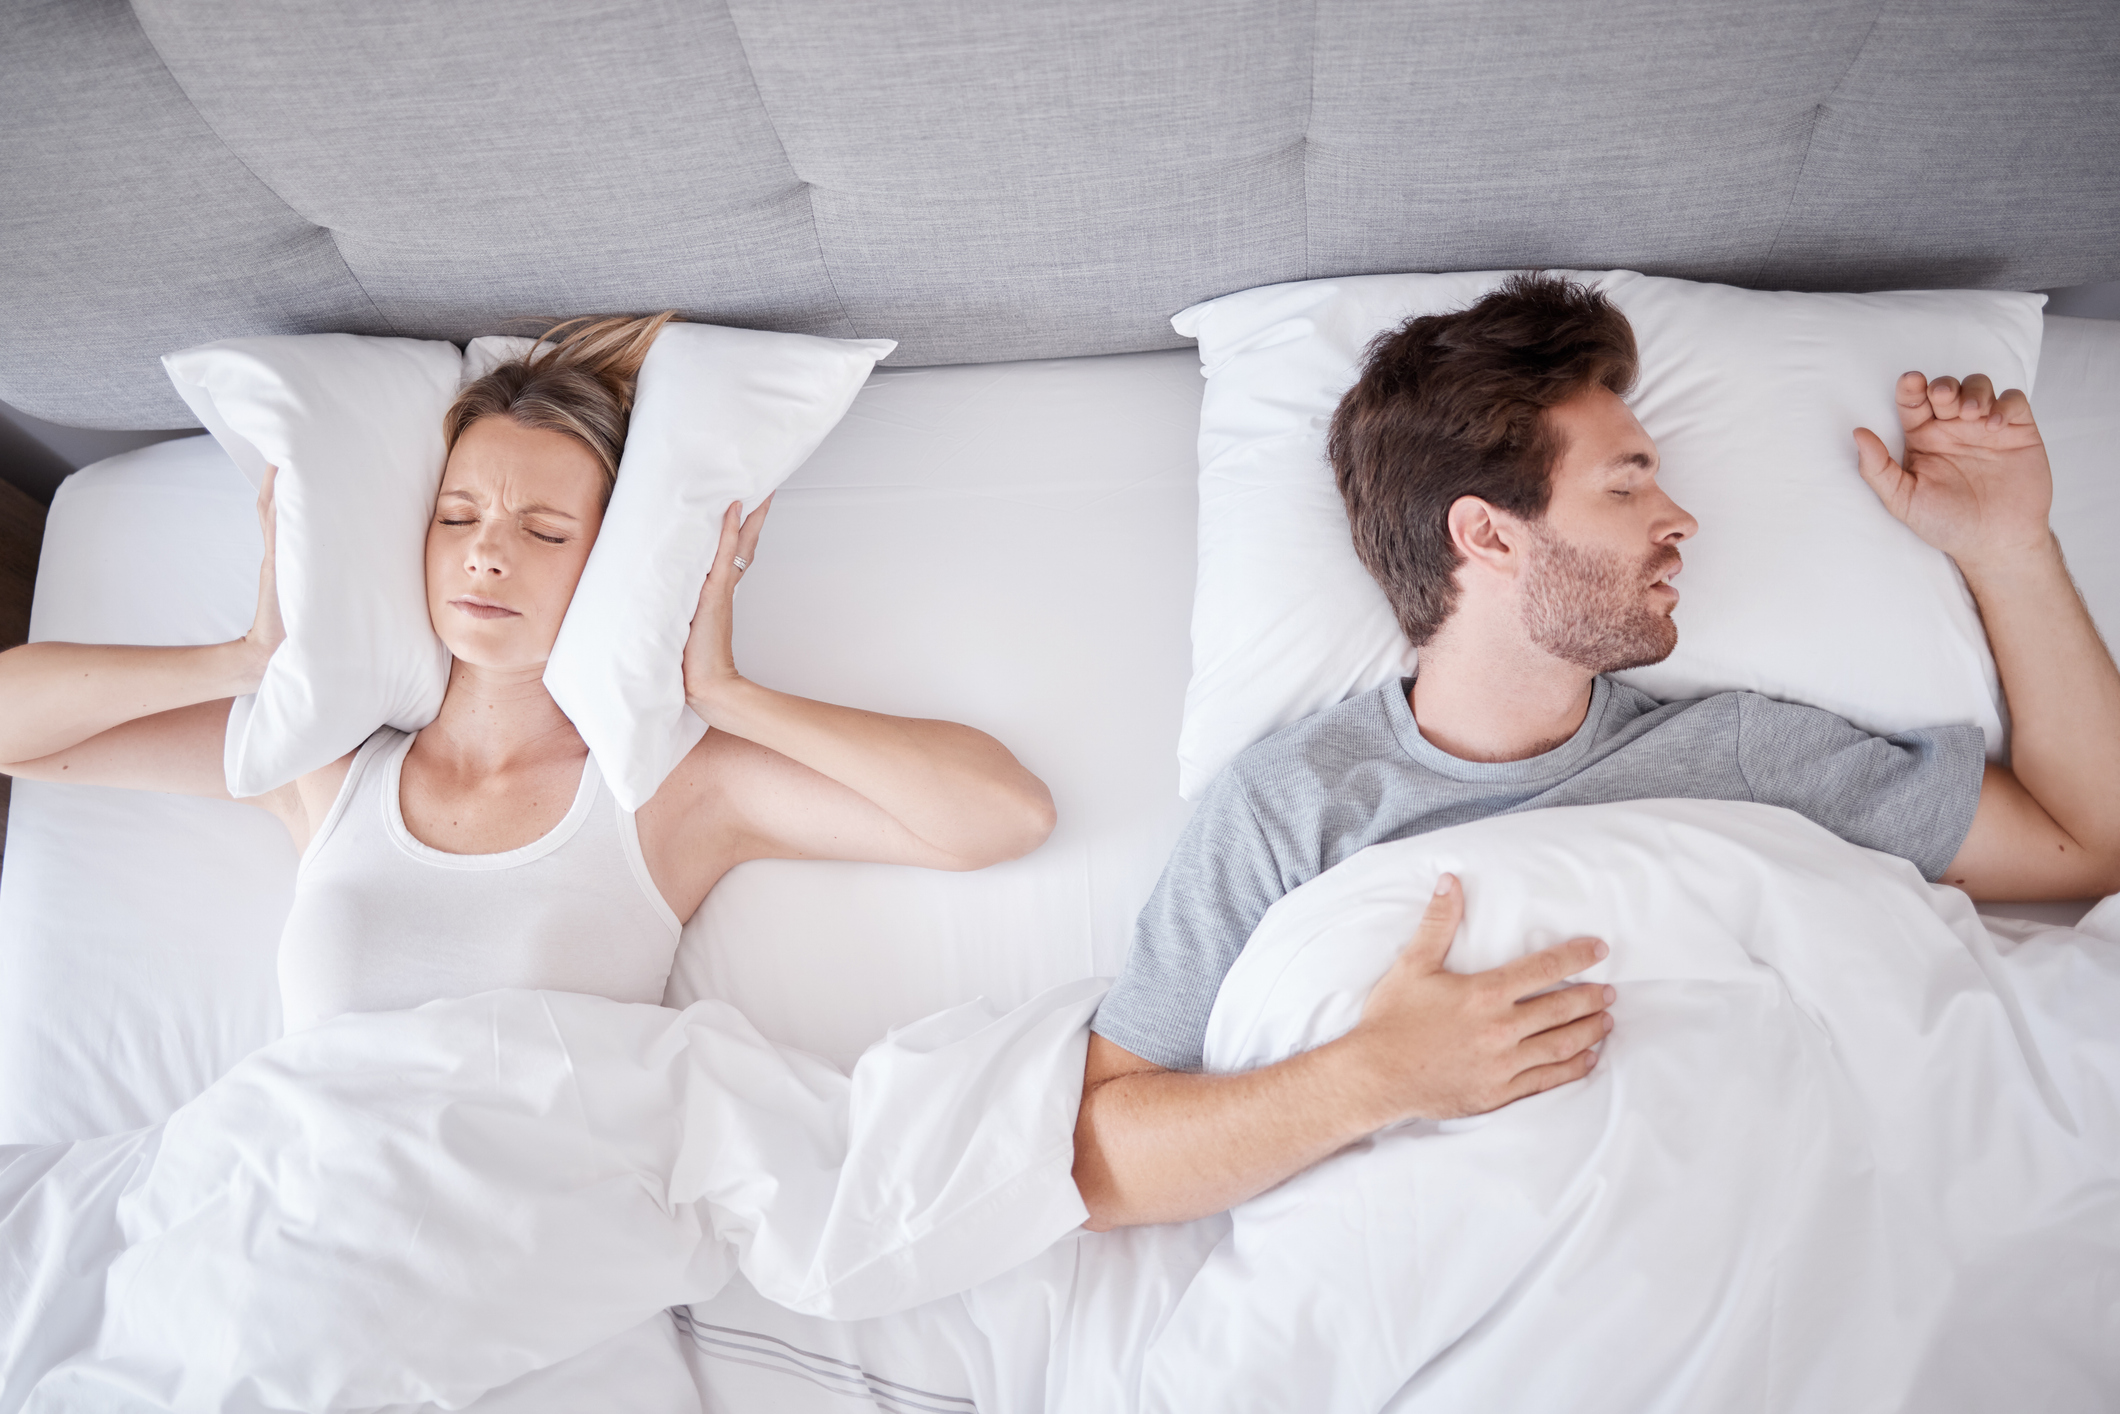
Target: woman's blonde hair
(579, 381)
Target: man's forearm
(2062, 688)
(1168, 1146)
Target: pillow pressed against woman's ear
(719, 415)
(354, 425)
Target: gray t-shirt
(1360, 773)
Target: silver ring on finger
(742, 563)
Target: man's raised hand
(1975, 484)
(1433, 1044)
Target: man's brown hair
(1452, 405)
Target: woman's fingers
(739, 541)
(754, 524)
(266, 518)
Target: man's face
(1596, 590)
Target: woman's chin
(497, 653)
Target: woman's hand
(710, 660)
(267, 632)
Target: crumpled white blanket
(1847, 1148)
(414, 1208)
(1851, 1148)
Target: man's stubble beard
(1588, 607)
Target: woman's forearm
(57, 695)
(955, 787)
(2062, 688)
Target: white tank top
(382, 922)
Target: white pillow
(721, 415)
(1799, 585)
(355, 426)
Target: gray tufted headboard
(995, 179)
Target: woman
(484, 850)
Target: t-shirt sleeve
(1219, 882)
(1911, 794)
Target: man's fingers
(2011, 407)
(1943, 396)
(1976, 396)
(1545, 1077)
(1912, 395)
(1542, 969)
(1563, 1042)
(1438, 926)
(1874, 460)
(1551, 1009)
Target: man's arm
(1977, 486)
(1155, 1145)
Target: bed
(1002, 529)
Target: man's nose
(1679, 523)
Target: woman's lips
(483, 609)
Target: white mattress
(1006, 545)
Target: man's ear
(1486, 536)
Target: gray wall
(1000, 180)
(36, 455)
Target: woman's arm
(785, 777)
(144, 718)
(57, 695)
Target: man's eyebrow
(1640, 459)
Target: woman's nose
(485, 557)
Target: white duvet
(412, 1208)
(1848, 1149)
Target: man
(1506, 499)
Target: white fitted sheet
(1008, 545)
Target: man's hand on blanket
(1434, 1044)
(1159, 1146)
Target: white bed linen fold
(1848, 1149)
(418, 1207)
